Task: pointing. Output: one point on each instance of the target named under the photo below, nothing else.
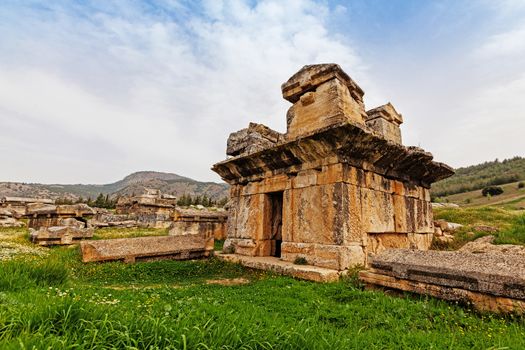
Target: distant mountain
(476, 177)
(133, 184)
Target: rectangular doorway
(276, 222)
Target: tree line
(186, 200)
(105, 201)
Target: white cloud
(509, 43)
(145, 91)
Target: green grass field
(53, 301)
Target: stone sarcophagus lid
(130, 250)
(337, 187)
(493, 281)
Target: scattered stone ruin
(336, 187)
(17, 206)
(7, 219)
(151, 209)
(130, 250)
(107, 218)
(59, 224)
(192, 221)
(492, 280)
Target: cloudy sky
(91, 91)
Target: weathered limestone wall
(208, 222)
(385, 121)
(214, 229)
(333, 216)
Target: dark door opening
(276, 222)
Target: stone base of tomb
(191, 221)
(130, 250)
(270, 263)
(60, 235)
(489, 282)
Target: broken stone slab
(497, 274)
(73, 210)
(445, 205)
(116, 224)
(447, 226)
(60, 235)
(148, 248)
(255, 137)
(6, 213)
(268, 263)
(480, 301)
(11, 222)
(485, 245)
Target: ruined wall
(217, 230)
(212, 223)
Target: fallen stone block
(485, 245)
(148, 248)
(207, 222)
(8, 219)
(60, 235)
(490, 281)
(11, 222)
(269, 263)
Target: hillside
(512, 198)
(479, 176)
(132, 184)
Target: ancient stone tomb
(152, 209)
(191, 221)
(336, 187)
(59, 224)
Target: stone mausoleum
(338, 186)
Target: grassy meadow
(510, 225)
(50, 300)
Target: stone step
(274, 264)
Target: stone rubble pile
(7, 219)
(444, 231)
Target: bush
(300, 261)
(492, 191)
(521, 184)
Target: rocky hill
(135, 183)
